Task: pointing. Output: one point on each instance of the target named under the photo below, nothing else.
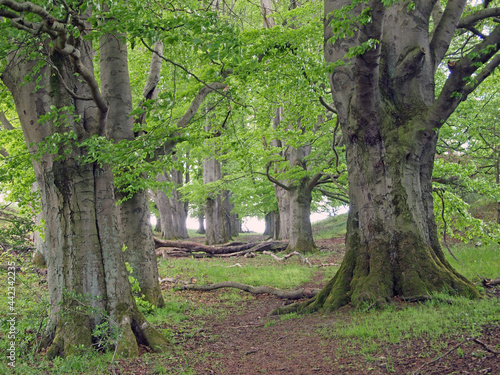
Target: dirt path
(244, 339)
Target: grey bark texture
(389, 115)
(84, 254)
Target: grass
(363, 332)
(334, 226)
(256, 271)
(476, 261)
(431, 319)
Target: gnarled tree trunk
(87, 279)
(387, 109)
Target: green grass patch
(431, 319)
(253, 271)
(476, 261)
(332, 227)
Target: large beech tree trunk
(87, 279)
(135, 228)
(217, 210)
(173, 214)
(387, 109)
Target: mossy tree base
(370, 275)
(132, 331)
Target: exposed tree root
(296, 307)
(302, 258)
(284, 294)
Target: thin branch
(440, 195)
(5, 122)
(195, 76)
(334, 196)
(63, 83)
(441, 356)
(275, 181)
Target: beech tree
(384, 58)
(61, 105)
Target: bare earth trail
(245, 339)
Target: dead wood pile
(194, 249)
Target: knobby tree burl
(390, 115)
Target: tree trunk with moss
(217, 216)
(87, 278)
(173, 214)
(136, 232)
(390, 115)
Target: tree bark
(135, 229)
(385, 102)
(87, 279)
(300, 235)
(218, 227)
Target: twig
(440, 195)
(486, 347)
(441, 356)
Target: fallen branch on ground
(486, 347)
(440, 357)
(284, 294)
(302, 258)
(490, 282)
(185, 248)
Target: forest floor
(243, 338)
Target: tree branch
(275, 181)
(334, 196)
(472, 19)
(5, 122)
(326, 105)
(192, 74)
(68, 90)
(444, 31)
(460, 82)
